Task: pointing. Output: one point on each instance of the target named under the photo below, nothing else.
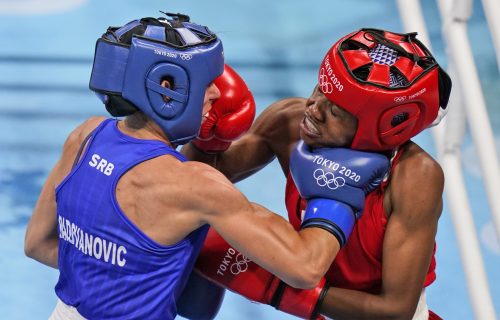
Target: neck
(140, 126)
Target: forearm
(254, 283)
(41, 241)
(347, 304)
(302, 257)
(298, 258)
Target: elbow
(401, 312)
(29, 249)
(308, 272)
(406, 313)
(30, 246)
(306, 278)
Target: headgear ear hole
(172, 107)
(399, 118)
(396, 125)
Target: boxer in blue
(123, 215)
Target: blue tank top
(109, 269)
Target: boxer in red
(376, 90)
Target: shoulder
(212, 195)
(417, 182)
(83, 130)
(72, 145)
(204, 173)
(416, 163)
(196, 186)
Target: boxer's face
(325, 124)
(211, 94)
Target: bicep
(407, 252)
(42, 225)
(410, 234)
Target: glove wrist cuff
(331, 215)
(322, 295)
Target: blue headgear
(134, 71)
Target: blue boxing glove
(335, 182)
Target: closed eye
(335, 111)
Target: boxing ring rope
(455, 30)
(491, 10)
(462, 70)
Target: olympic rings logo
(328, 179)
(186, 56)
(325, 85)
(400, 99)
(241, 264)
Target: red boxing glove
(231, 115)
(222, 264)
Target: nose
(214, 92)
(313, 108)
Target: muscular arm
(415, 207)
(41, 238)
(299, 258)
(273, 134)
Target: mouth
(309, 127)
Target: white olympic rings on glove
(328, 179)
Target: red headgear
(390, 82)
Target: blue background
(45, 61)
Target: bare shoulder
(416, 163)
(83, 130)
(204, 175)
(196, 187)
(71, 147)
(417, 183)
(209, 183)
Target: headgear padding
(187, 54)
(390, 82)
